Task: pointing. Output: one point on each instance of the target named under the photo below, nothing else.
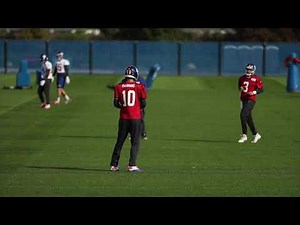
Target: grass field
(193, 126)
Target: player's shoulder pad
(48, 63)
(66, 62)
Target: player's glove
(42, 82)
(68, 79)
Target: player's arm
(143, 103)
(117, 103)
(239, 86)
(67, 74)
(259, 86)
(143, 97)
(256, 92)
(54, 71)
(259, 90)
(66, 70)
(66, 67)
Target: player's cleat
(67, 101)
(256, 138)
(243, 138)
(57, 102)
(144, 136)
(134, 169)
(43, 105)
(114, 168)
(47, 106)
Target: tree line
(156, 34)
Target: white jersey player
(62, 70)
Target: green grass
(193, 126)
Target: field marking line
(14, 106)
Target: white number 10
(129, 98)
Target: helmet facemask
(43, 58)
(250, 69)
(59, 56)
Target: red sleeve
(116, 88)
(143, 92)
(240, 83)
(259, 83)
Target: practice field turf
(192, 150)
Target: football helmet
(59, 55)
(44, 58)
(132, 72)
(251, 67)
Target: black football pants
(246, 116)
(44, 91)
(125, 127)
(143, 130)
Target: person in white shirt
(61, 68)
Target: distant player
(45, 78)
(130, 97)
(249, 85)
(61, 68)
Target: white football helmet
(44, 57)
(250, 69)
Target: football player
(45, 79)
(141, 80)
(61, 68)
(130, 98)
(249, 86)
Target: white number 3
(246, 85)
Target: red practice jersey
(249, 84)
(129, 95)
